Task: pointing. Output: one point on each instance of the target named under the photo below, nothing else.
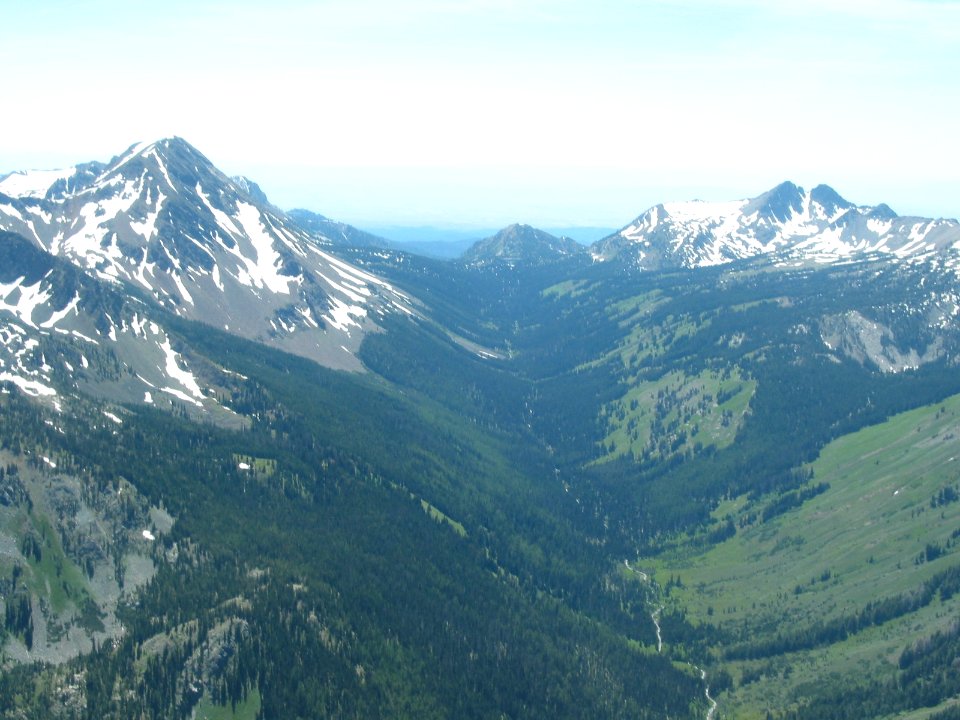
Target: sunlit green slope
(806, 604)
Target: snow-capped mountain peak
(162, 218)
(787, 221)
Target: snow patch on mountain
(23, 300)
(88, 242)
(148, 227)
(342, 315)
(31, 387)
(58, 315)
(224, 220)
(173, 370)
(263, 270)
(703, 214)
(21, 363)
(33, 183)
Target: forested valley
(505, 516)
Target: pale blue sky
(493, 111)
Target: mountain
(161, 218)
(551, 493)
(321, 553)
(441, 243)
(521, 245)
(65, 332)
(251, 188)
(787, 221)
(191, 520)
(336, 232)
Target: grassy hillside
(677, 414)
(886, 527)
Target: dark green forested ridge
(383, 607)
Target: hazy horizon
(488, 112)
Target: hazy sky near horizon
(485, 112)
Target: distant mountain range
(162, 220)
(103, 211)
(335, 232)
(447, 243)
(787, 221)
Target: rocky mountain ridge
(521, 245)
(161, 218)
